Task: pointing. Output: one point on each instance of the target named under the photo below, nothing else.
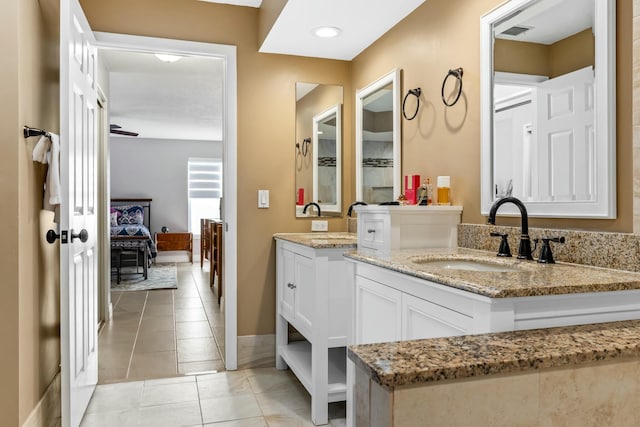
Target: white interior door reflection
(544, 138)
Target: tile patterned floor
(163, 333)
(151, 354)
(261, 397)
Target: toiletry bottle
(429, 192)
(423, 198)
(444, 192)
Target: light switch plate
(263, 199)
(319, 225)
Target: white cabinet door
(287, 284)
(378, 312)
(423, 319)
(304, 296)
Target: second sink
(463, 264)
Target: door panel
(78, 259)
(423, 319)
(305, 288)
(287, 292)
(378, 312)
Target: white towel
(47, 150)
(41, 150)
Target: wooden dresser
(175, 242)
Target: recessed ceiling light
(167, 58)
(327, 32)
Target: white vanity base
(391, 306)
(313, 296)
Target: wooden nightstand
(175, 242)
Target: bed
(131, 240)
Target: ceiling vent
(516, 30)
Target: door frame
(229, 160)
(105, 309)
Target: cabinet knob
(291, 286)
(371, 230)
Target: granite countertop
(528, 278)
(321, 240)
(438, 359)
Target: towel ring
(457, 73)
(304, 146)
(415, 92)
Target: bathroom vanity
(435, 293)
(430, 293)
(312, 295)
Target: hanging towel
(47, 150)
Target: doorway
(194, 289)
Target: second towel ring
(457, 73)
(304, 147)
(415, 92)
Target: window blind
(205, 178)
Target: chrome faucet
(524, 250)
(354, 204)
(304, 211)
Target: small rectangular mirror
(378, 140)
(318, 158)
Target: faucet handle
(546, 256)
(504, 250)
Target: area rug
(160, 276)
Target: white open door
(566, 138)
(78, 221)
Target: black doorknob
(52, 236)
(83, 235)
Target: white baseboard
(47, 412)
(256, 351)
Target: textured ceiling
(180, 100)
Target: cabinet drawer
(373, 231)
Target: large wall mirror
(548, 107)
(378, 140)
(318, 149)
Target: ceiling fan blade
(112, 126)
(123, 132)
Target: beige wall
(440, 35)
(267, 16)
(38, 262)
(266, 128)
(566, 55)
(572, 53)
(29, 311)
(318, 100)
(511, 56)
(11, 145)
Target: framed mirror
(318, 149)
(548, 107)
(378, 141)
(327, 159)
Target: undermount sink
(464, 264)
(332, 237)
